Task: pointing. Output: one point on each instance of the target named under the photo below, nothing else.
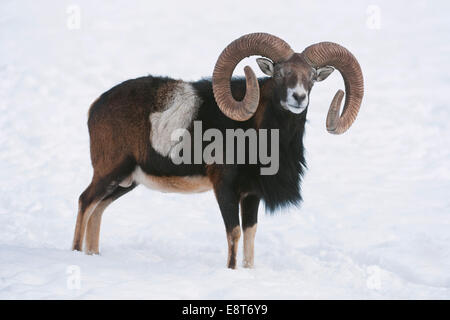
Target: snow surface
(375, 222)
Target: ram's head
(294, 75)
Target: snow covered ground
(375, 222)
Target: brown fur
(233, 241)
(109, 120)
(164, 94)
(289, 73)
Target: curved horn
(331, 54)
(262, 44)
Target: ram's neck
(282, 188)
(271, 115)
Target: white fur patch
(291, 104)
(179, 112)
(127, 182)
(249, 246)
(185, 184)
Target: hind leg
(87, 203)
(94, 222)
(93, 228)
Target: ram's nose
(299, 97)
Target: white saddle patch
(178, 113)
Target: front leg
(228, 201)
(249, 213)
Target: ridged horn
(262, 44)
(331, 54)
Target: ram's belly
(187, 184)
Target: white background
(375, 222)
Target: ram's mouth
(296, 109)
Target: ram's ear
(266, 66)
(323, 73)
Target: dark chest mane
(283, 188)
